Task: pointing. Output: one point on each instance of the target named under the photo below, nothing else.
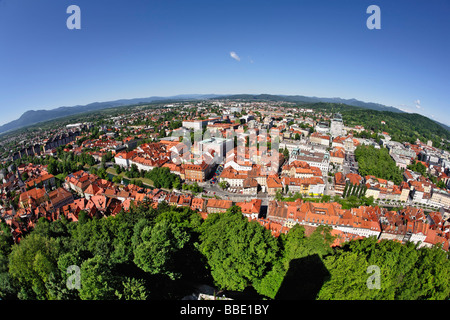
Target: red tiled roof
(222, 204)
(354, 178)
(250, 207)
(274, 182)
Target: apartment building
(314, 159)
(196, 172)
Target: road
(329, 187)
(350, 165)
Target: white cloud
(417, 102)
(235, 56)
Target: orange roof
(99, 201)
(197, 204)
(222, 204)
(337, 153)
(172, 166)
(35, 193)
(126, 204)
(110, 192)
(324, 213)
(354, 178)
(80, 203)
(339, 178)
(59, 195)
(318, 135)
(433, 237)
(185, 200)
(195, 167)
(299, 164)
(302, 181)
(274, 182)
(253, 206)
(250, 183)
(231, 173)
(92, 189)
(39, 179)
(274, 227)
(404, 185)
(125, 155)
(339, 140)
(396, 190)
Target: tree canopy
(149, 253)
(406, 272)
(377, 162)
(239, 253)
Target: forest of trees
(402, 127)
(417, 166)
(377, 162)
(161, 177)
(149, 253)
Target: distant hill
(400, 126)
(35, 116)
(305, 99)
(446, 127)
(32, 117)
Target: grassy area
(61, 176)
(146, 181)
(112, 171)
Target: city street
(350, 165)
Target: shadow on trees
(304, 279)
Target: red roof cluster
(408, 224)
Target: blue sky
(136, 48)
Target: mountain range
(32, 117)
(305, 99)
